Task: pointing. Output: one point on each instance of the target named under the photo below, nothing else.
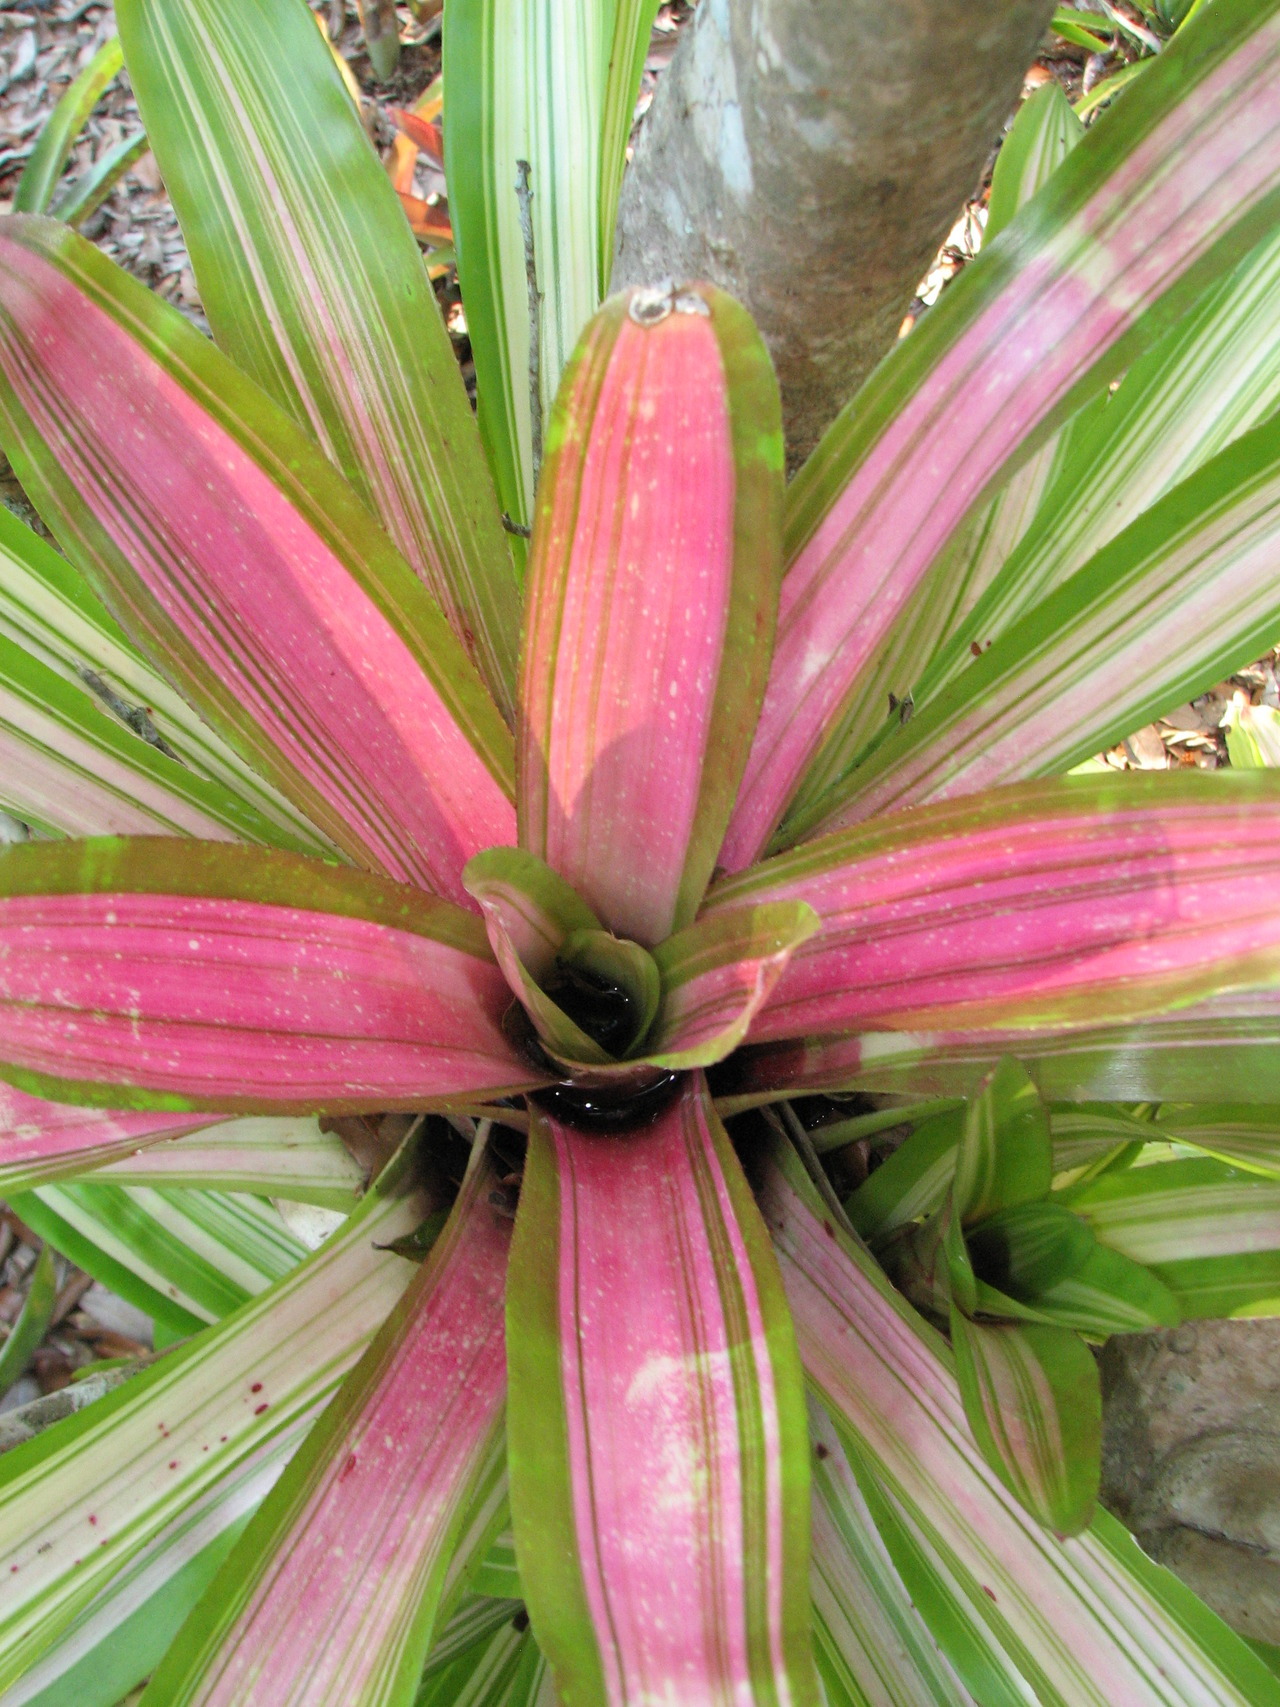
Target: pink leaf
(658, 1461)
(1036, 322)
(330, 1596)
(1064, 903)
(189, 975)
(239, 559)
(652, 589)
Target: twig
(134, 717)
(524, 195)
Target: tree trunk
(810, 156)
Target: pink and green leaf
(176, 975)
(1163, 194)
(657, 1447)
(1033, 1400)
(331, 1594)
(315, 288)
(237, 557)
(1075, 902)
(529, 911)
(716, 976)
(1213, 376)
(652, 591)
(1087, 1622)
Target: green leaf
(1039, 140)
(1034, 1402)
(1029, 1247)
(1243, 1133)
(33, 1319)
(62, 127)
(1082, 1623)
(314, 286)
(912, 1181)
(503, 1669)
(169, 1315)
(1110, 1294)
(79, 199)
(1005, 1156)
(1208, 1232)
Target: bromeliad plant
(587, 888)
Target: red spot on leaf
(92, 1519)
(989, 1591)
(173, 1463)
(828, 1229)
(258, 1410)
(256, 1388)
(348, 1467)
(975, 649)
(820, 1451)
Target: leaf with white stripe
(1187, 593)
(552, 83)
(51, 612)
(81, 1499)
(331, 1595)
(281, 1156)
(1211, 378)
(122, 1634)
(872, 1647)
(1033, 1400)
(207, 1251)
(1210, 1233)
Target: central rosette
(619, 1021)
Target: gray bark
(810, 156)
